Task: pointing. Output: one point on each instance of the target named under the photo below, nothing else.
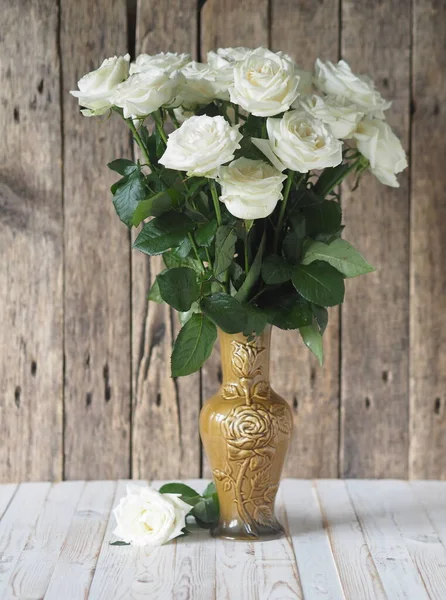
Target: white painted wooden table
(353, 540)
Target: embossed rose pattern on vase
(245, 430)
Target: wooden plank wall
(84, 360)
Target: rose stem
(286, 193)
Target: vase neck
(245, 358)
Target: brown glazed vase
(245, 429)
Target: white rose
(250, 188)
(222, 63)
(201, 145)
(147, 518)
(143, 93)
(339, 80)
(169, 61)
(377, 142)
(301, 142)
(340, 114)
(202, 85)
(265, 83)
(97, 88)
(231, 55)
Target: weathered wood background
(84, 360)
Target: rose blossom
(147, 518)
(339, 80)
(143, 93)
(97, 88)
(301, 143)
(341, 115)
(265, 83)
(168, 61)
(250, 188)
(377, 142)
(202, 85)
(201, 145)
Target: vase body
(246, 429)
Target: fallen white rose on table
(339, 80)
(201, 145)
(250, 188)
(265, 83)
(148, 518)
(168, 61)
(301, 142)
(340, 114)
(143, 93)
(97, 88)
(376, 141)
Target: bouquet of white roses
(236, 187)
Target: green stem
(341, 178)
(215, 200)
(286, 193)
(173, 118)
(195, 247)
(139, 141)
(208, 256)
(159, 126)
(236, 113)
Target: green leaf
(206, 511)
(163, 232)
(323, 218)
(119, 543)
(225, 240)
(178, 287)
(319, 283)
(252, 275)
(210, 490)
(340, 255)
(193, 345)
(256, 320)
(275, 270)
(123, 166)
(130, 191)
(152, 207)
(313, 340)
(172, 259)
(205, 234)
(292, 243)
(185, 316)
(321, 317)
(329, 177)
(225, 311)
(178, 488)
(154, 293)
(289, 312)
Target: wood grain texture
(312, 391)
(73, 573)
(427, 244)
(224, 24)
(97, 263)
(353, 560)
(375, 319)
(31, 267)
(165, 412)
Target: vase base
(247, 533)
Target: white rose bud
(301, 142)
(143, 93)
(169, 61)
(202, 85)
(377, 142)
(250, 188)
(147, 518)
(339, 80)
(201, 145)
(97, 88)
(265, 83)
(340, 114)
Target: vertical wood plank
(354, 562)
(312, 391)
(317, 569)
(17, 524)
(75, 566)
(32, 574)
(228, 23)
(375, 326)
(428, 250)
(165, 412)
(31, 315)
(97, 263)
